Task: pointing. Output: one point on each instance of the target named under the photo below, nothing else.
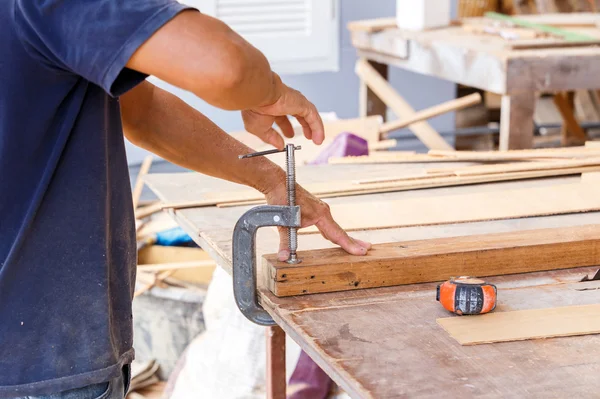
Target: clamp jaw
(244, 255)
(244, 242)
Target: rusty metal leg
(276, 380)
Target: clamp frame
(244, 256)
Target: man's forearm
(203, 55)
(163, 124)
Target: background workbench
(482, 61)
(385, 342)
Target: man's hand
(314, 212)
(259, 121)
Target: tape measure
(467, 295)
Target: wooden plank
(208, 264)
(387, 94)
(524, 324)
(448, 106)
(565, 34)
(573, 19)
(394, 184)
(411, 262)
(139, 182)
(515, 155)
(552, 69)
(372, 25)
(463, 208)
(275, 370)
(521, 166)
(516, 121)
(465, 65)
(468, 156)
(160, 254)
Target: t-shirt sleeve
(93, 38)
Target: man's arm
(203, 55)
(163, 124)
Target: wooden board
(411, 262)
(520, 167)
(523, 324)
(462, 208)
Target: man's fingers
(272, 137)
(334, 233)
(284, 252)
(305, 127)
(314, 121)
(286, 127)
(309, 118)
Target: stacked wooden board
(531, 164)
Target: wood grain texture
(411, 262)
(463, 208)
(401, 108)
(524, 324)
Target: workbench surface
(484, 61)
(385, 342)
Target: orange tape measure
(467, 295)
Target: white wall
(338, 91)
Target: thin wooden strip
(429, 173)
(386, 145)
(139, 182)
(510, 155)
(444, 156)
(177, 265)
(523, 166)
(448, 106)
(592, 145)
(524, 324)
(410, 262)
(372, 25)
(463, 208)
(390, 158)
(388, 95)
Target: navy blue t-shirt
(67, 253)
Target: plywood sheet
(523, 324)
(410, 262)
(461, 208)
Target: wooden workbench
(385, 342)
(483, 61)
